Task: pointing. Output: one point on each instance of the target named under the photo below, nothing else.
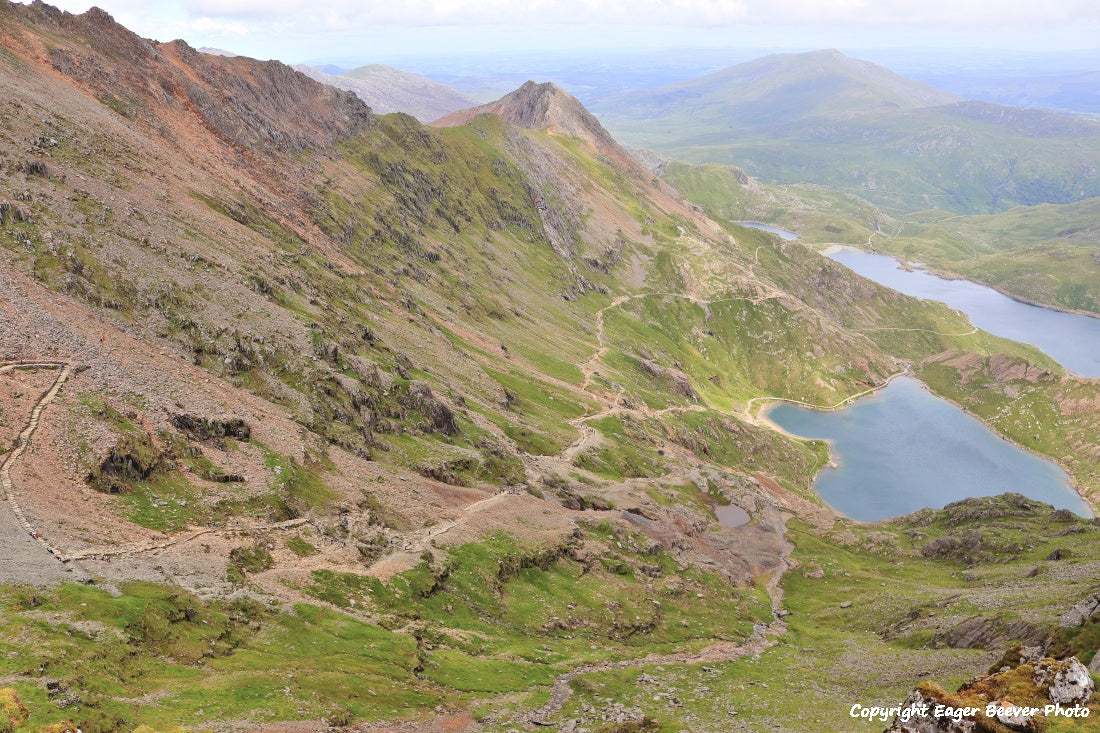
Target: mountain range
(829, 120)
(313, 417)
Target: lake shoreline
(834, 461)
(948, 275)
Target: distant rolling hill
(387, 89)
(1069, 91)
(824, 118)
(775, 90)
(1047, 254)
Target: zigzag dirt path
(19, 565)
(589, 437)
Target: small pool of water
(903, 449)
(731, 515)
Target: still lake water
(783, 233)
(1070, 339)
(903, 449)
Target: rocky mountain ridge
(543, 106)
(456, 406)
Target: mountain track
(25, 555)
(762, 637)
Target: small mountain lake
(903, 449)
(1071, 339)
(783, 233)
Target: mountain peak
(544, 106)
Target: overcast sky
(372, 30)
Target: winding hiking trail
(590, 437)
(588, 369)
(27, 556)
(18, 537)
(763, 636)
(103, 553)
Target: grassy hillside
(363, 421)
(1045, 254)
(816, 213)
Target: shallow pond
(731, 515)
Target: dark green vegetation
(816, 213)
(498, 616)
(892, 165)
(1045, 254)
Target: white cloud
(209, 25)
(348, 14)
(298, 29)
(857, 13)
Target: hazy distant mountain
(387, 89)
(1072, 92)
(827, 119)
(218, 52)
(777, 89)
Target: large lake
(1070, 339)
(903, 449)
(783, 233)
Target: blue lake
(903, 449)
(1070, 339)
(783, 233)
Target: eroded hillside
(455, 407)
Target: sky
(367, 31)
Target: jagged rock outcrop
(919, 699)
(439, 417)
(547, 107)
(204, 428)
(1030, 687)
(1081, 612)
(982, 632)
(1067, 683)
(676, 380)
(540, 107)
(256, 105)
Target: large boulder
(1068, 682)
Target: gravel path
(25, 556)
